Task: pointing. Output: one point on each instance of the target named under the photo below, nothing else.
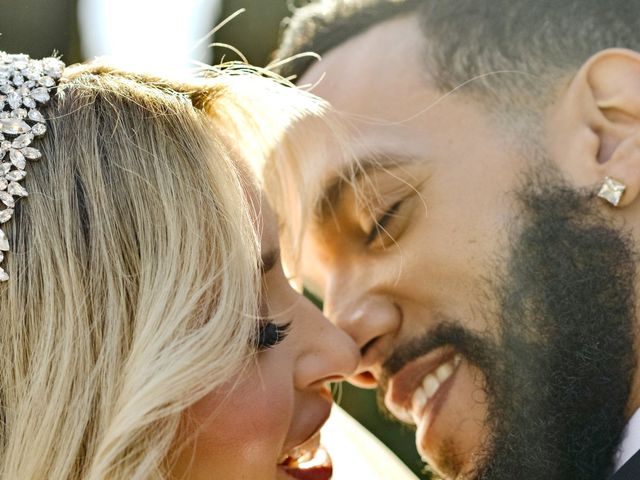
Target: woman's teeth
(430, 385)
(303, 452)
(308, 462)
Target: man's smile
(417, 391)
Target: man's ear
(594, 129)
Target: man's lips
(412, 387)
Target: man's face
(414, 258)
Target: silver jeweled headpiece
(24, 83)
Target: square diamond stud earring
(612, 191)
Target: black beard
(559, 376)
(563, 377)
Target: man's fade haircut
(507, 53)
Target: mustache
(478, 349)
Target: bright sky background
(156, 36)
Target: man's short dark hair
(517, 52)
(322, 25)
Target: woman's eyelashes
(271, 334)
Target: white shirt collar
(630, 441)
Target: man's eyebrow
(269, 259)
(331, 195)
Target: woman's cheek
(241, 429)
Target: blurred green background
(39, 27)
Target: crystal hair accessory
(24, 85)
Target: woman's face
(246, 429)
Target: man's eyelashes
(382, 221)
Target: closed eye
(382, 221)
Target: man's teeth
(430, 385)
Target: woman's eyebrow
(269, 259)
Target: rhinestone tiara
(24, 85)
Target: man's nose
(371, 319)
(367, 319)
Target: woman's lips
(318, 473)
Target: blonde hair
(304, 132)
(134, 278)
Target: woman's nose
(330, 354)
